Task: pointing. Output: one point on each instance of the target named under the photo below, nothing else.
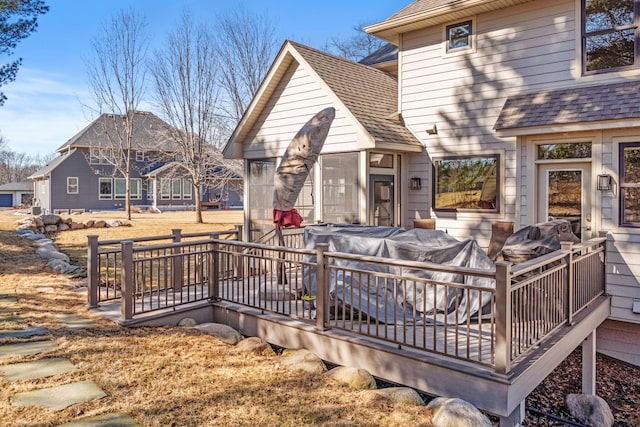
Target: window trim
(623, 185)
(77, 185)
(470, 48)
(105, 196)
(499, 182)
(583, 39)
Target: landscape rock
(47, 253)
(57, 264)
(50, 228)
(38, 221)
(454, 412)
(88, 223)
(404, 395)
(36, 236)
(25, 227)
(67, 221)
(24, 231)
(256, 345)
(223, 332)
(187, 321)
(63, 227)
(590, 410)
(303, 359)
(357, 378)
(114, 223)
(99, 224)
(51, 219)
(77, 226)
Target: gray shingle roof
(370, 95)
(574, 105)
(422, 6)
(149, 132)
(387, 53)
(17, 186)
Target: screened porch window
(468, 183)
(260, 194)
(340, 195)
(630, 184)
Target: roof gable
(368, 95)
(46, 169)
(149, 133)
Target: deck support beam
(515, 418)
(589, 364)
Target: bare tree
(116, 74)
(185, 74)
(16, 167)
(357, 47)
(247, 44)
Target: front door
(382, 195)
(564, 192)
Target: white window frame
(140, 156)
(165, 184)
(186, 189)
(176, 192)
(151, 189)
(471, 48)
(105, 196)
(136, 188)
(70, 186)
(119, 182)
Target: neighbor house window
(610, 34)
(340, 195)
(176, 189)
(469, 183)
(630, 184)
(165, 188)
(105, 188)
(459, 36)
(120, 185)
(136, 188)
(72, 185)
(186, 189)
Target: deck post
(238, 271)
(567, 246)
(322, 288)
(126, 308)
(515, 417)
(214, 268)
(503, 317)
(93, 272)
(589, 364)
(176, 263)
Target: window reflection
(466, 183)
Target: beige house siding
(296, 99)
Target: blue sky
(45, 108)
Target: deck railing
(491, 318)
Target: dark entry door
(383, 196)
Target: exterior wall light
(432, 131)
(415, 183)
(604, 182)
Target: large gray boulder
(63, 227)
(47, 253)
(50, 219)
(58, 265)
(304, 360)
(357, 378)
(256, 346)
(590, 410)
(35, 237)
(223, 332)
(50, 228)
(404, 395)
(454, 412)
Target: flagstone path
(40, 341)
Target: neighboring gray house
(83, 178)
(16, 194)
(539, 98)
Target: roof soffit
(433, 13)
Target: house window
(630, 184)
(571, 150)
(136, 188)
(72, 185)
(101, 156)
(340, 195)
(381, 160)
(458, 36)
(186, 189)
(469, 183)
(139, 156)
(176, 189)
(610, 34)
(165, 189)
(120, 184)
(151, 189)
(106, 188)
(260, 196)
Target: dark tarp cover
(377, 298)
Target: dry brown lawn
(167, 376)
